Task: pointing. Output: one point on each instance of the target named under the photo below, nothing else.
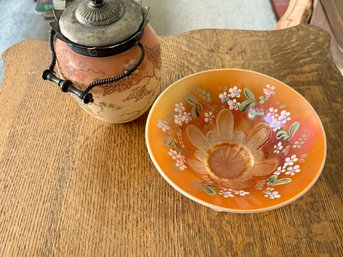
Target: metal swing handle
(67, 85)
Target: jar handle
(67, 85)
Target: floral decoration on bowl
(236, 140)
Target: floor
(19, 21)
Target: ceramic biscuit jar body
(111, 58)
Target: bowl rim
(212, 206)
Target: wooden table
(74, 186)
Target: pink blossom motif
(284, 116)
(269, 90)
(233, 104)
(180, 159)
(293, 170)
(224, 97)
(235, 92)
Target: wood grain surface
(71, 185)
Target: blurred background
(22, 19)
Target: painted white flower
(286, 150)
(186, 117)
(181, 118)
(180, 159)
(224, 97)
(241, 193)
(173, 154)
(272, 194)
(300, 142)
(180, 139)
(209, 117)
(178, 119)
(260, 185)
(233, 104)
(180, 163)
(289, 161)
(279, 170)
(284, 116)
(179, 108)
(163, 125)
(293, 170)
(278, 148)
(269, 90)
(253, 112)
(273, 112)
(275, 124)
(235, 92)
(297, 144)
(226, 194)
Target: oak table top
(71, 185)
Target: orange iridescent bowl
(236, 140)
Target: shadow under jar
(108, 58)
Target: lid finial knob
(96, 3)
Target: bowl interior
(236, 140)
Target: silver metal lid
(101, 22)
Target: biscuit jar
(107, 57)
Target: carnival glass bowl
(236, 140)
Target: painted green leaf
(195, 113)
(173, 143)
(294, 128)
(170, 116)
(249, 94)
(212, 186)
(213, 108)
(282, 181)
(196, 184)
(208, 190)
(281, 133)
(262, 101)
(245, 105)
(272, 178)
(282, 106)
(191, 99)
(165, 142)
